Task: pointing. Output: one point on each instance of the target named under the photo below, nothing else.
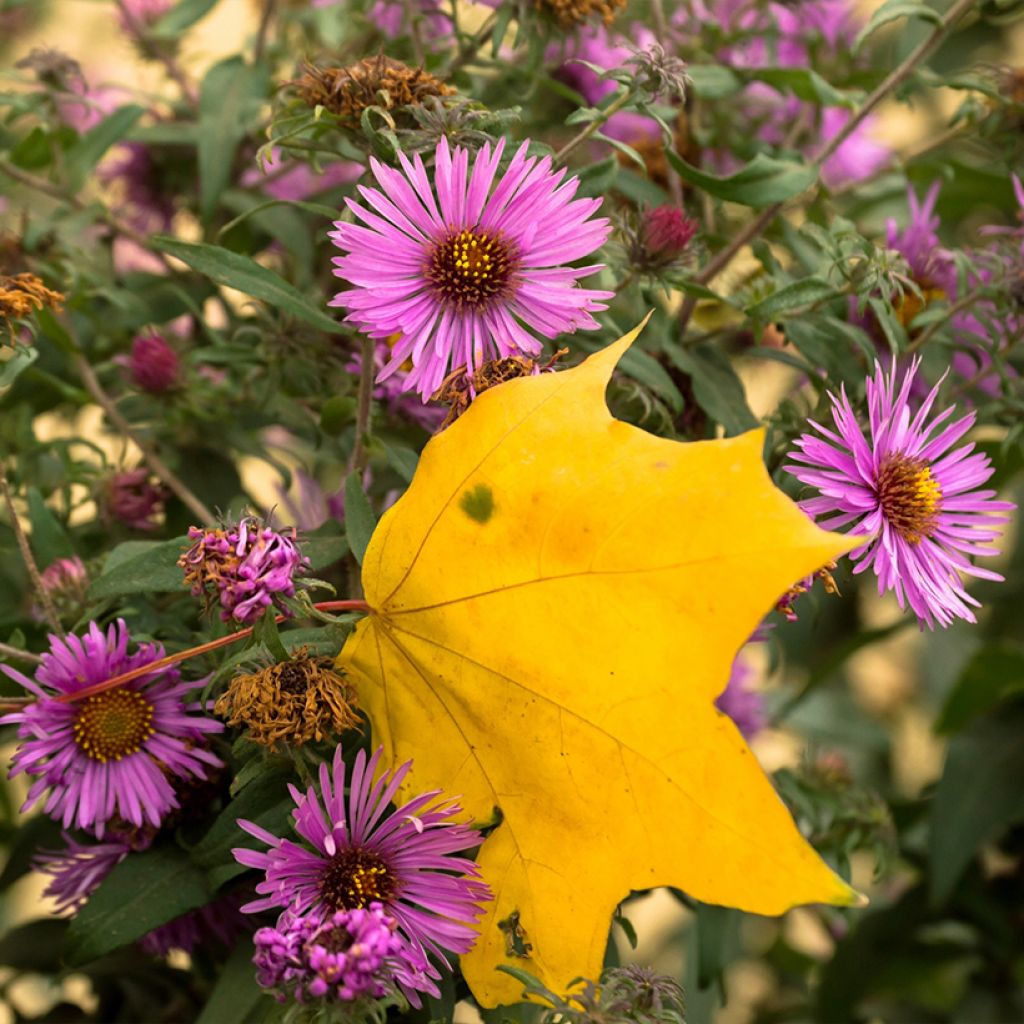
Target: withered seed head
(347, 92)
(291, 702)
(23, 294)
(571, 13)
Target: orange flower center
(909, 495)
(113, 724)
(354, 879)
(471, 269)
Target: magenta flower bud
(665, 233)
(132, 499)
(66, 582)
(153, 365)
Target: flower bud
(133, 500)
(153, 365)
(665, 233)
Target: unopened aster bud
(665, 233)
(245, 569)
(152, 365)
(133, 499)
(373, 81)
(65, 582)
(293, 702)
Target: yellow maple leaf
(556, 602)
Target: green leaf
(183, 16)
(892, 10)
(22, 358)
(85, 154)
(642, 366)
(359, 518)
(236, 993)
(804, 84)
(154, 570)
(717, 388)
(265, 632)
(792, 296)
(402, 460)
(993, 674)
(760, 183)
(229, 97)
(49, 540)
(245, 275)
(257, 207)
(978, 795)
(713, 81)
(324, 551)
(34, 946)
(143, 892)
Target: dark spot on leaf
(478, 503)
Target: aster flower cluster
(245, 569)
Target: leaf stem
(888, 85)
(19, 655)
(194, 652)
(149, 453)
(468, 52)
(263, 31)
(613, 108)
(45, 600)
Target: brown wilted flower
(459, 388)
(570, 13)
(23, 294)
(291, 702)
(373, 81)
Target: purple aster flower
(76, 871)
(132, 499)
(247, 568)
(914, 498)
(66, 582)
(743, 704)
(111, 753)
(152, 365)
(471, 265)
(342, 957)
(218, 923)
(392, 18)
(361, 854)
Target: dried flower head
(461, 121)
(571, 13)
(291, 702)
(245, 568)
(54, 68)
(659, 74)
(23, 294)
(373, 81)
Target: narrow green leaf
(402, 460)
(87, 152)
(717, 388)
(642, 366)
(236, 993)
(144, 891)
(154, 570)
(49, 539)
(795, 295)
(245, 275)
(320, 209)
(324, 551)
(978, 795)
(713, 81)
(760, 183)
(265, 632)
(360, 521)
(806, 85)
(34, 946)
(892, 10)
(993, 674)
(182, 16)
(22, 358)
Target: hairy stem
(893, 80)
(45, 600)
(364, 407)
(149, 454)
(194, 652)
(613, 108)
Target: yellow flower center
(909, 495)
(471, 269)
(354, 879)
(113, 724)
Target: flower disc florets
(246, 568)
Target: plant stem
(264, 28)
(194, 652)
(957, 307)
(892, 81)
(469, 51)
(156, 52)
(613, 108)
(19, 655)
(364, 407)
(149, 454)
(45, 600)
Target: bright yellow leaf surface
(557, 601)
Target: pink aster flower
(340, 958)
(359, 854)
(246, 568)
(741, 702)
(914, 499)
(470, 267)
(109, 754)
(77, 870)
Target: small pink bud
(665, 233)
(153, 365)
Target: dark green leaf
(49, 540)
(34, 946)
(230, 95)
(892, 10)
(246, 275)
(265, 632)
(324, 551)
(143, 892)
(806, 84)
(713, 81)
(22, 359)
(991, 675)
(182, 16)
(979, 794)
(402, 460)
(642, 366)
(37, 833)
(716, 386)
(792, 296)
(154, 570)
(360, 521)
(85, 154)
(236, 992)
(762, 182)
